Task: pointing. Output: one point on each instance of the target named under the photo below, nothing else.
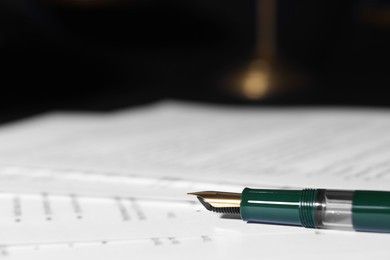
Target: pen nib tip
(220, 202)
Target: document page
(48, 219)
(307, 246)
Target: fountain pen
(359, 210)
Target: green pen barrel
(371, 211)
(318, 208)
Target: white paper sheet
(306, 246)
(295, 147)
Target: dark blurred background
(108, 54)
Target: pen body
(318, 208)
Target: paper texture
(79, 186)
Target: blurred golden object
(261, 79)
(257, 80)
(264, 75)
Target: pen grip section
(271, 206)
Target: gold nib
(217, 199)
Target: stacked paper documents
(113, 185)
